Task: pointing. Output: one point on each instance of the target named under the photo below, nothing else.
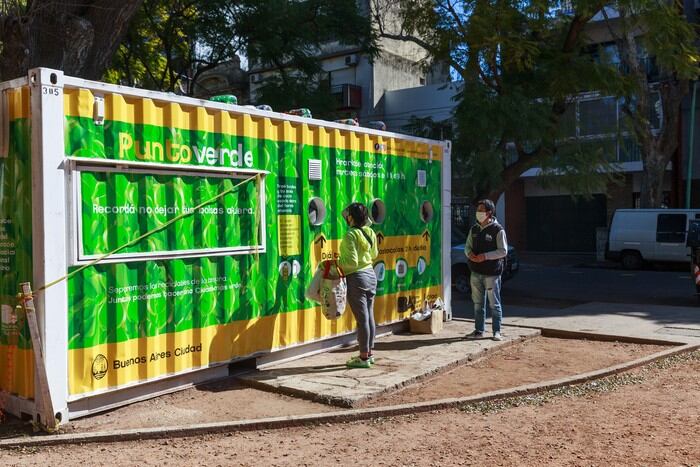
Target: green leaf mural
(122, 301)
(16, 221)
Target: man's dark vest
(483, 241)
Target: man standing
(486, 249)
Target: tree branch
(423, 44)
(457, 19)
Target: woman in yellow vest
(358, 251)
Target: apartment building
(554, 219)
(358, 83)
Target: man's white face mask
(481, 216)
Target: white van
(638, 235)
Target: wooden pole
(42, 399)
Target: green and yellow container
(168, 236)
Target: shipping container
(168, 237)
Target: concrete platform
(401, 359)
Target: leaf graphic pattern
(191, 293)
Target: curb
(560, 333)
(593, 336)
(181, 431)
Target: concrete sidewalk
(668, 323)
(401, 359)
(405, 358)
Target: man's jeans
(486, 288)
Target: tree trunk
(657, 148)
(651, 195)
(657, 155)
(78, 37)
(525, 161)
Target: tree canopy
(657, 56)
(523, 64)
(172, 42)
(77, 36)
(167, 45)
(297, 34)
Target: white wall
(435, 100)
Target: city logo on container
(99, 366)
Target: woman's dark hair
(359, 214)
(488, 206)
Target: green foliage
(428, 128)
(286, 92)
(172, 42)
(77, 37)
(160, 45)
(294, 35)
(669, 37)
(520, 63)
(289, 34)
(583, 167)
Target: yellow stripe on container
(18, 103)
(146, 358)
(21, 381)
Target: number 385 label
(50, 91)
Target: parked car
(638, 235)
(460, 266)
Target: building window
(597, 116)
(599, 123)
(629, 150)
(636, 200)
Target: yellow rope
(258, 238)
(151, 232)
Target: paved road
(566, 285)
(650, 303)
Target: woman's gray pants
(362, 287)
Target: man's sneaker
(497, 336)
(475, 335)
(371, 359)
(357, 362)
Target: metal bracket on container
(98, 110)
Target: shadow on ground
(11, 427)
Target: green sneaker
(357, 362)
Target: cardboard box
(432, 325)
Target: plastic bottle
(303, 112)
(348, 121)
(377, 125)
(225, 99)
(426, 309)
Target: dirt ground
(533, 360)
(647, 416)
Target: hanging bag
(334, 290)
(313, 291)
